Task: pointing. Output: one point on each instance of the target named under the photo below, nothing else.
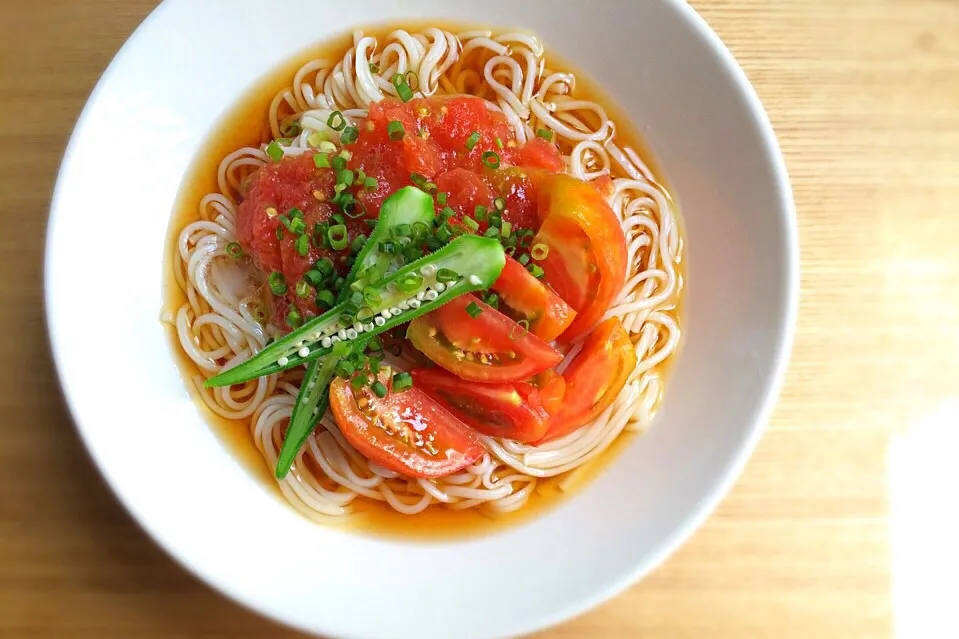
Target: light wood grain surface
(864, 95)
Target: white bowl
(139, 132)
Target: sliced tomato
(487, 348)
(513, 411)
(528, 298)
(552, 390)
(586, 259)
(540, 153)
(406, 432)
(594, 378)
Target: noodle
(218, 325)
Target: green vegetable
(473, 310)
(472, 140)
(274, 151)
(336, 121)
(306, 411)
(402, 382)
(395, 130)
(379, 389)
(480, 260)
(234, 250)
(546, 134)
(277, 283)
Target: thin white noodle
(217, 326)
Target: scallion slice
(349, 135)
(402, 86)
(472, 224)
(379, 389)
(274, 150)
(539, 251)
(546, 134)
(473, 310)
(473, 140)
(339, 238)
(402, 382)
(321, 161)
(234, 250)
(294, 319)
(336, 121)
(277, 283)
(491, 159)
(395, 130)
(480, 213)
(302, 245)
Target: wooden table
(864, 95)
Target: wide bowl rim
(691, 521)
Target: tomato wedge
(406, 432)
(487, 348)
(594, 378)
(552, 389)
(513, 411)
(548, 315)
(586, 259)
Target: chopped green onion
(491, 160)
(505, 229)
(297, 226)
(480, 213)
(279, 232)
(539, 251)
(374, 68)
(339, 219)
(345, 176)
(525, 238)
(536, 270)
(471, 223)
(412, 80)
(336, 121)
(349, 135)
(499, 143)
(339, 163)
(321, 161)
(324, 266)
(420, 231)
(344, 369)
(327, 147)
(473, 310)
(395, 130)
(234, 250)
(524, 259)
(524, 325)
(447, 213)
(277, 283)
(472, 140)
(339, 238)
(401, 230)
(402, 87)
(294, 319)
(409, 283)
(379, 389)
(370, 184)
(447, 275)
(443, 233)
(371, 296)
(295, 213)
(402, 382)
(546, 134)
(353, 208)
(441, 198)
(388, 247)
(359, 381)
(291, 129)
(302, 245)
(274, 151)
(302, 288)
(499, 204)
(315, 278)
(316, 138)
(492, 232)
(360, 176)
(492, 300)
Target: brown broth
(246, 124)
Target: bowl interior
(183, 69)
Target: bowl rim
(690, 522)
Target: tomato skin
(552, 390)
(465, 191)
(513, 411)
(594, 378)
(455, 444)
(548, 315)
(480, 349)
(586, 263)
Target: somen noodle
(223, 321)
